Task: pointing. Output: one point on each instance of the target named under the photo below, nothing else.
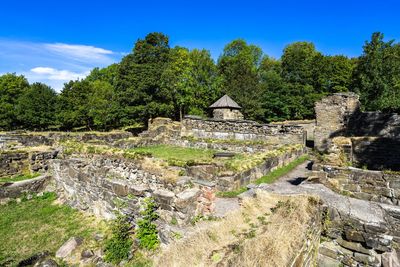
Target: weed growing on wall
(147, 231)
(119, 246)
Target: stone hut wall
(227, 114)
(243, 130)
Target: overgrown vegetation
(18, 178)
(37, 225)
(119, 246)
(177, 156)
(146, 232)
(265, 231)
(242, 162)
(269, 178)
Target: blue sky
(55, 41)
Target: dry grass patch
(266, 231)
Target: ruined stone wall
(243, 130)
(332, 115)
(308, 126)
(351, 241)
(376, 186)
(21, 162)
(16, 189)
(102, 186)
(375, 136)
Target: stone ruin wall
(374, 137)
(378, 186)
(242, 130)
(14, 163)
(103, 185)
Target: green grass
(177, 155)
(19, 178)
(269, 178)
(37, 225)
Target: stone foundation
(375, 186)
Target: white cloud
(54, 74)
(80, 52)
(53, 63)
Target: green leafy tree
(73, 105)
(36, 107)
(12, 87)
(377, 75)
(238, 68)
(102, 105)
(178, 82)
(205, 87)
(139, 84)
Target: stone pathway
(296, 182)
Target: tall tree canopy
(156, 80)
(377, 75)
(36, 107)
(11, 88)
(238, 68)
(139, 82)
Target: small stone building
(226, 109)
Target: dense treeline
(157, 80)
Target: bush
(147, 231)
(118, 247)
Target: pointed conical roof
(225, 102)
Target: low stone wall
(16, 189)
(14, 163)
(307, 255)
(307, 125)
(31, 139)
(375, 186)
(226, 183)
(352, 242)
(103, 186)
(243, 130)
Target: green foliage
(11, 88)
(36, 107)
(119, 246)
(156, 80)
(19, 178)
(146, 232)
(37, 225)
(377, 75)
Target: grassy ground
(38, 225)
(266, 231)
(19, 178)
(175, 153)
(269, 178)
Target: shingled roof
(225, 102)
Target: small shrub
(119, 246)
(147, 231)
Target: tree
(36, 107)
(205, 75)
(102, 105)
(377, 74)
(139, 83)
(298, 71)
(238, 68)
(11, 88)
(178, 82)
(73, 105)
